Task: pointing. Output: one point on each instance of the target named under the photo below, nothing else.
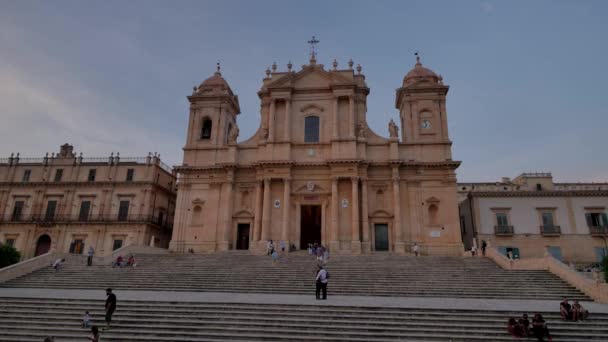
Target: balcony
(550, 230)
(598, 230)
(47, 220)
(503, 230)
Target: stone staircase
(375, 275)
(23, 319)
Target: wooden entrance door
(242, 241)
(381, 237)
(43, 245)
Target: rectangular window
(117, 244)
(85, 208)
(547, 219)
(555, 252)
(600, 253)
(596, 219)
(123, 210)
(18, 210)
(130, 173)
(58, 175)
(26, 175)
(50, 210)
(10, 242)
(311, 129)
(92, 173)
(501, 219)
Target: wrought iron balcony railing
(503, 230)
(90, 219)
(598, 230)
(550, 230)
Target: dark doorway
(381, 235)
(77, 246)
(242, 240)
(310, 225)
(43, 245)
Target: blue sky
(527, 78)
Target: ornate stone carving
(233, 134)
(393, 130)
(361, 130)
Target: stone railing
(593, 288)
(28, 266)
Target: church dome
(213, 83)
(421, 74)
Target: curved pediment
(381, 213)
(312, 108)
(432, 199)
(243, 214)
(311, 76)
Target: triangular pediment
(310, 188)
(310, 77)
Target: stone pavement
(516, 305)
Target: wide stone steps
(379, 275)
(33, 319)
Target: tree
(8, 255)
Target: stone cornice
(82, 185)
(519, 193)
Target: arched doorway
(43, 245)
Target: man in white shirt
(415, 249)
(321, 279)
(57, 264)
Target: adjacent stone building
(532, 212)
(314, 171)
(67, 203)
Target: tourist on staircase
(565, 310)
(415, 249)
(90, 256)
(539, 328)
(94, 334)
(484, 245)
(321, 283)
(579, 312)
(515, 329)
(110, 307)
(525, 324)
(58, 264)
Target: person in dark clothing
(484, 245)
(565, 310)
(110, 306)
(539, 328)
(525, 324)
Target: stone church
(314, 171)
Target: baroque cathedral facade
(314, 171)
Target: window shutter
(604, 219)
(589, 221)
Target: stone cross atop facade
(313, 53)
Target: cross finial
(417, 57)
(313, 53)
(218, 69)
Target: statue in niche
(393, 130)
(233, 134)
(362, 130)
(264, 133)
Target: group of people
(484, 246)
(574, 312)
(319, 251)
(110, 307)
(524, 328)
(120, 261)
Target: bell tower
(213, 111)
(421, 105)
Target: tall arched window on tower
(311, 129)
(206, 129)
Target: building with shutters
(314, 171)
(66, 203)
(531, 212)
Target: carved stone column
(266, 212)
(257, 223)
(355, 240)
(351, 112)
(288, 119)
(336, 123)
(366, 246)
(399, 246)
(334, 243)
(286, 210)
(271, 120)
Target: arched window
(206, 129)
(311, 129)
(433, 215)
